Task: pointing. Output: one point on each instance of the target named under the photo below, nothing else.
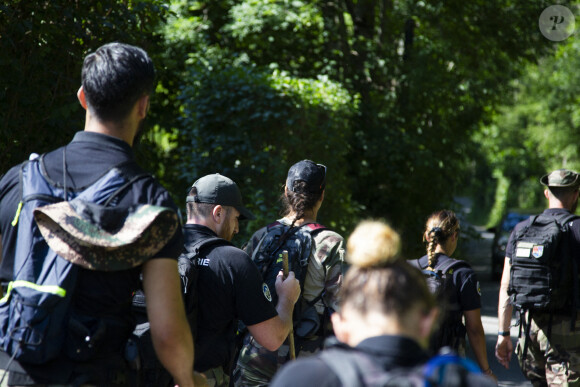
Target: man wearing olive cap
(551, 354)
(229, 286)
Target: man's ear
(82, 98)
(340, 327)
(143, 106)
(218, 214)
(547, 194)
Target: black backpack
(544, 273)
(542, 265)
(355, 368)
(267, 255)
(151, 372)
(188, 265)
(451, 331)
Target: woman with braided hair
(455, 283)
(320, 261)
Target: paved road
(478, 254)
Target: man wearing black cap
(320, 279)
(548, 348)
(229, 286)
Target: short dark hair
(562, 192)
(114, 77)
(198, 209)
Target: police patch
(266, 291)
(478, 289)
(537, 251)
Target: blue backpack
(357, 369)
(36, 320)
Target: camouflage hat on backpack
(105, 238)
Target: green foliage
(252, 125)
(399, 99)
(269, 28)
(538, 131)
(42, 46)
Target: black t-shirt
(390, 352)
(468, 292)
(230, 288)
(87, 158)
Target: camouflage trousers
(216, 377)
(257, 366)
(553, 362)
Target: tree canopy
(409, 103)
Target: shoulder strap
(281, 241)
(344, 366)
(127, 168)
(415, 263)
(450, 264)
(566, 218)
(194, 249)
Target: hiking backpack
(544, 273)
(267, 256)
(355, 368)
(542, 265)
(36, 317)
(152, 373)
(188, 264)
(451, 331)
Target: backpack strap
(186, 262)
(450, 264)
(565, 221)
(415, 263)
(131, 170)
(344, 364)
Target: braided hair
(439, 227)
(299, 201)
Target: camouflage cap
(105, 238)
(561, 178)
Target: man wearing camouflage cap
(548, 347)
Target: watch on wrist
(504, 333)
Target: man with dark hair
(228, 285)
(547, 348)
(313, 250)
(117, 80)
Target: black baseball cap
(218, 189)
(313, 174)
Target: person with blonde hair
(383, 324)
(459, 291)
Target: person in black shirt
(441, 235)
(229, 286)
(117, 80)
